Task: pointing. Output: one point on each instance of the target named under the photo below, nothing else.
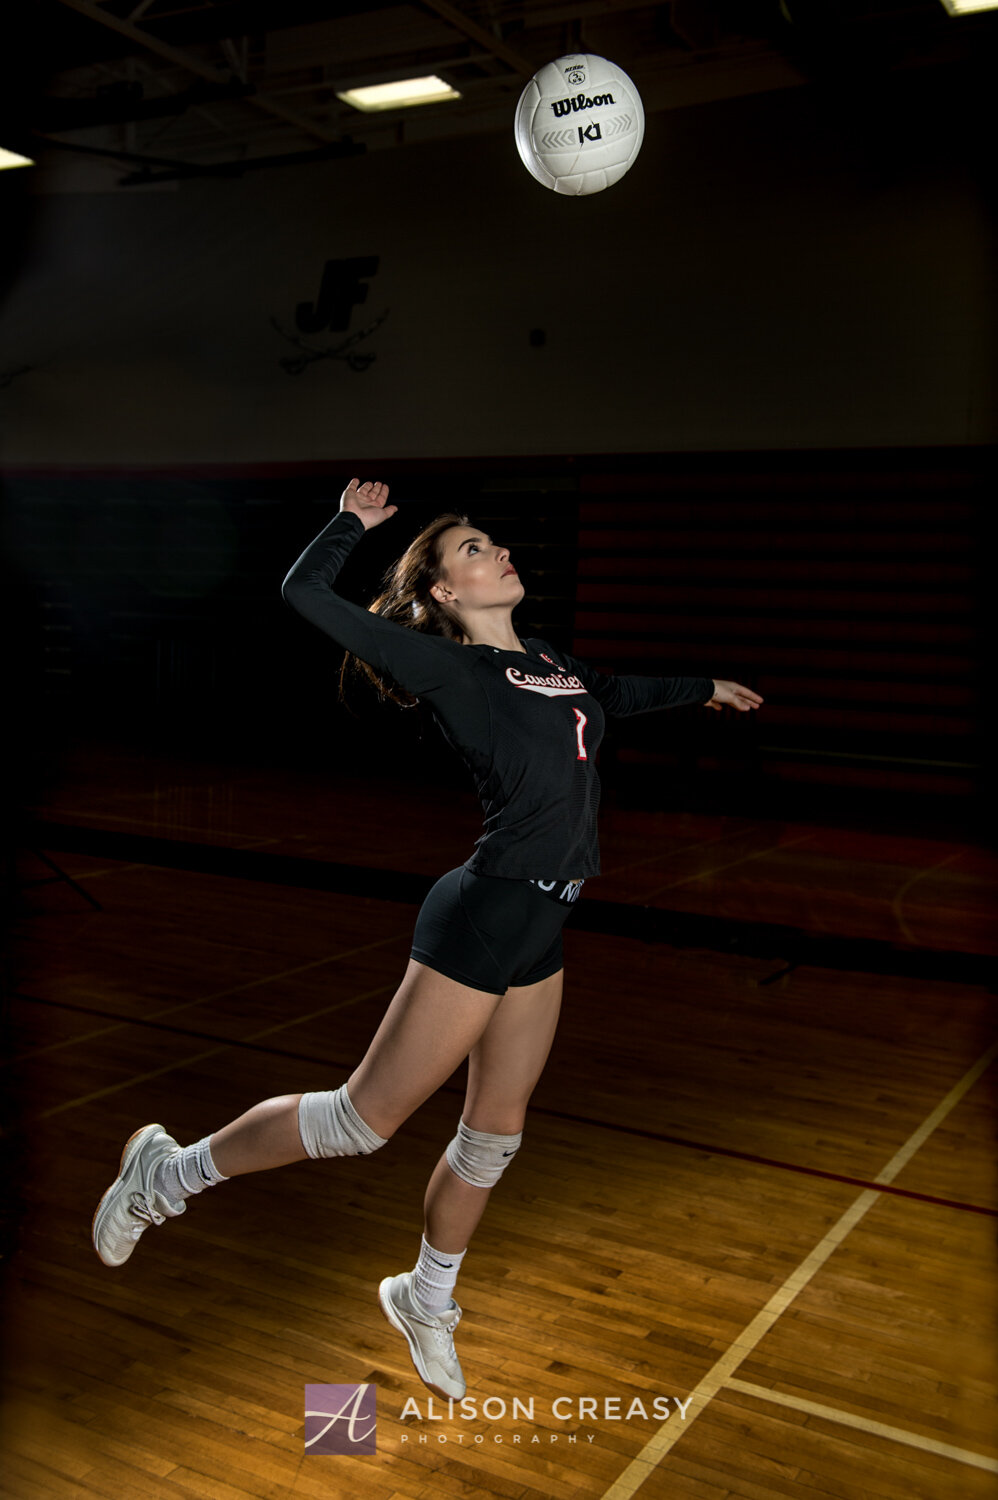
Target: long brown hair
(406, 598)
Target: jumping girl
(484, 980)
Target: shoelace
(141, 1207)
(444, 1333)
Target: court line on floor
(709, 1148)
(82, 875)
(644, 1464)
(743, 859)
(898, 901)
(186, 1062)
(865, 1424)
(609, 871)
(172, 1010)
(712, 1149)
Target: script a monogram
(352, 1405)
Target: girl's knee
(329, 1125)
(480, 1157)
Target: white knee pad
(330, 1126)
(479, 1158)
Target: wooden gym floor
(756, 1185)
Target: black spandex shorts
(488, 932)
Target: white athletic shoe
(131, 1203)
(430, 1335)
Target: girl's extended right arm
(423, 665)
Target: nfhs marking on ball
(598, 147)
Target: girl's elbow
(291, 589)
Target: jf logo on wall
(343, 286)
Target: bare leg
(427, 1031)
(503, 1069)
(265, 1136)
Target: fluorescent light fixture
(399, 95)
(964, 7)
(11, 159)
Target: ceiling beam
(484, 37)
(192, 64)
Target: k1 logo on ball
(595, 153)
(341, 1420)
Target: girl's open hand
(369, 501)
(734, 695)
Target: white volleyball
(579, 124)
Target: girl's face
(475, 573)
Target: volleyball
(579, 124)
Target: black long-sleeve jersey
(527, 724)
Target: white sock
(435, 1276)
(190, 1171)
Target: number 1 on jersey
(581, 721)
